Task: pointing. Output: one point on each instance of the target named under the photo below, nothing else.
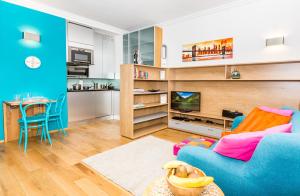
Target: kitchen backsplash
(90, 82)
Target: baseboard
(2, 141)
(110, 117)
(116, 117)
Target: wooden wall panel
(198, 73)
(242, 95)
(280, 71)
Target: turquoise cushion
(295, 119)
(237, 121)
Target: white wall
(248, 22)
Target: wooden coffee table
(160, 188)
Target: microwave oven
(81, 56)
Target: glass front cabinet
(147, 42)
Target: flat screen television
(185, 101)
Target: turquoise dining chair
(37, 121)
(56, 114)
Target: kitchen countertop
(70, 91)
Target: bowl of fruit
(185, 180)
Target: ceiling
(133, 14)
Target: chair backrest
(60, 103)
(23, 109)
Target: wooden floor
(56, 169)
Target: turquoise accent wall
(50, 79)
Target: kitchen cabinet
(147, 46)
(80, 35)
(81, 106)
(148, 41)
(103, 104)
(92, 104)
(108, 52)
(133, 45)
(116, 104)
(126, 49)
(95, 71)
(104, 58)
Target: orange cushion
(259, 120)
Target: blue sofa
(274, 168)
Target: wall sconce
(274, 41)
(31, 37)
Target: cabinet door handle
(164, 52)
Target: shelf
(151, 105)
(149, 117)
(187, 80)
(198, 114)
(149, 129)
(147, 43)
(154, 80)
(207, 80)
(262, 79)
(150, 93)
(235, 64)
(149, 66)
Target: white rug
(135, 165)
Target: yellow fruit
(191, 182)
(193, 175)
(198, 172)
(189, 169)
(181, 171)
(173, 164)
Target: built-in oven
(77, 70)
(80, 55)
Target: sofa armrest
(237, 121)
(276, 163)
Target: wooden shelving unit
(153, 116)
(273, 84)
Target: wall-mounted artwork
(208, 50)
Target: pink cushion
(241, 146)
(277, 111)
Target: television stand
(199, 123)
